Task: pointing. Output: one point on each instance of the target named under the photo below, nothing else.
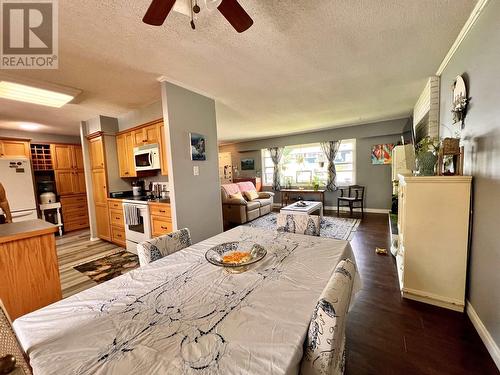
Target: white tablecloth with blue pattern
(182, 315)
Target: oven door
(143, 161)
(142, 231)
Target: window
(302, 165)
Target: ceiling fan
(230, 9)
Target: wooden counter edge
(28, 234)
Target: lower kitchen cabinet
(74, 211)
(102, 222)
(161, 219)
(117, 222)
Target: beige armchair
(240, 211)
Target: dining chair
(159, 247)
(300, 224)
(354, 196)
(324, 349)
(13, 359)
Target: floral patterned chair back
(300, 224)
(324, 349)
(159, 247)
(10, 348)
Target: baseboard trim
(346, 209)
(433, 299)
(488, 341)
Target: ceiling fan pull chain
(193, 26)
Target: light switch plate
(196, 170)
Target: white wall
(196, 200)
(477, 60)
(140, 116)
(37, 137)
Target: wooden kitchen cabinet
(99, 185)
(102, 222)
(29, 272)
(74, 212)
(146, 135)
(68, 168)
(14, 148)
(64, 181)
(163, 150)
(117, 222)
(96, 149)
(70, 182)
(66, 156)
(161, 218)
(125, 150)
(78, 157)
(62, 156)
(150, 133)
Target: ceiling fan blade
(235, 14)
(158, 12)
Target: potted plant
(316, 183)
(426, 154)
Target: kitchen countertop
(25, 229)
(160, 200)
(157, 200)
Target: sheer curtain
(330, 149)
(276, 153)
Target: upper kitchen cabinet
(150, 133)
(125, 151)
(146, 135)
(78, 157)
(96, 149)
(67, 161)
(66, 156)
(12, 148)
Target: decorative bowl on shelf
(236, 256)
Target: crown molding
(476, 12)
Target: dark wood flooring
(387, 334)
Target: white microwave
(147, 157)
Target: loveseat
(241, 210)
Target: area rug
(339, 228)
(109, 267)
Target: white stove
(137, 233)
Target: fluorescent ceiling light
(29, 94)
(29, 126)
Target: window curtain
(276, 153)
(330, 149)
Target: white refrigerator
(17, 180)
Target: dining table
(184, 315)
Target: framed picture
(198, 145)
(382, 154)
(247, 164)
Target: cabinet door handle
(126, 172)
(163, 211)
(117, 218)
(165, 228)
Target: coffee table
(311, 206)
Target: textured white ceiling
(305, 64)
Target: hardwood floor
(387, 334)
(76, 248)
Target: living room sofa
(240, 211)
